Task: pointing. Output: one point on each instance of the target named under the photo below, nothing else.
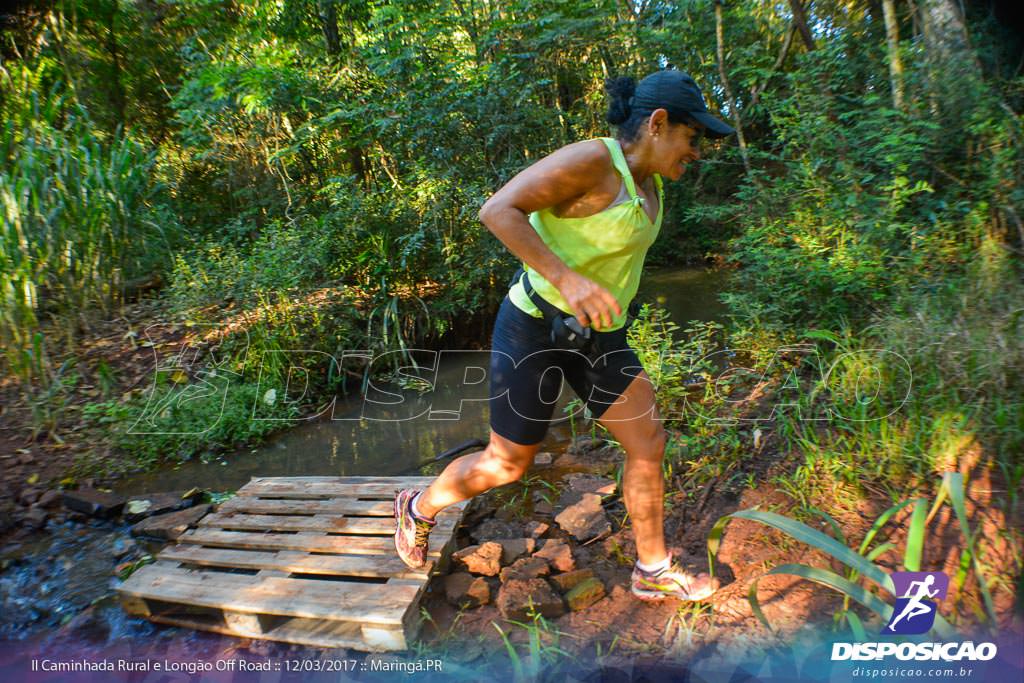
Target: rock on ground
(543, 459)
(514, 548)
(493, 529)
(35, 518)
(569, 580)
(535, 529)
(482, 559)
(586, 519)
(516, 596)
(585, 444)
(93, 502)
(49, 498)
(585, 594)
(465, 590)
(558, 554)
(171, 525)
(590, 483)
(140, 507)
(526, 568)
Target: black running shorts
(526, 376)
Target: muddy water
(688, 294)
(362, 435)
(391, 430)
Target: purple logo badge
(916, 594)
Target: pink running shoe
(413, 532)
(672, 583)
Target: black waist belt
(567, 333)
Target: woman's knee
(649, 444)
(507, 461)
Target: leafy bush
(180, 422)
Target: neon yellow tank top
(608, 247)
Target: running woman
(581, 221)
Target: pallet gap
(348, 533)
(220, 570)
(336, 577)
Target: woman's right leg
(502, 462)
(522, 399)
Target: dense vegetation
(316, 167)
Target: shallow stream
(45, 582)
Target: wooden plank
(312, 632)
(385, 488)
(322, 523)
(339, 506)
(342, 506)
(383, 638)
(404, 482)
(337, 600)
(135, 606)
(298, 562)
(351, 545)
(249, 625)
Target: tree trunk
(733, 105)
(329, 24)
(800, 19)
(117, 94)
(953, 69)
(892, 37)
(945, 32)
(757, 90)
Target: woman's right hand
(592, 304)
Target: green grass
(179, 422)
(541, 656)
(864, 581)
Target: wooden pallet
(306, 560)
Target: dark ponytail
(620, 91)
(621, 113)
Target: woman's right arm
(567, 174)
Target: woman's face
(673, 146)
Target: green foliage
(861, 202)
(932, 386)
(77, 226)
(860, 562)
(543, 656)
(676, 368)
(180, 422)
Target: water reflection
(394, 429)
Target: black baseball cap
(678, 94)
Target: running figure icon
(916, 592)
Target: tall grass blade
(880, 522)
(517, 664)
(856, 625)
(953, 483)
(826, 578)
(806, 534)
(915, 536)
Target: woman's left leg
(634, 422)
